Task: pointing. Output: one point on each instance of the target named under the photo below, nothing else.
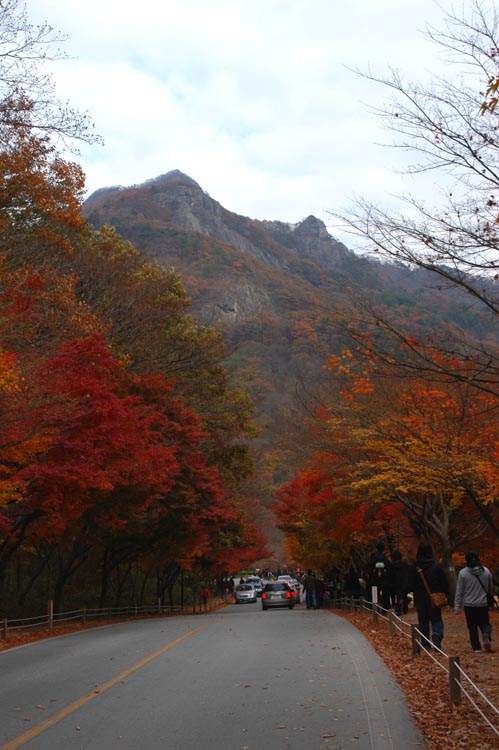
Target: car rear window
(276, 587)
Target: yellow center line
(35, 731)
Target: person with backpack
(475, 592)
(379, 566)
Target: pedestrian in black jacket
(426, 565)
(397, 579)
(379, 566)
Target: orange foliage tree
(418, 459)
(40, 193)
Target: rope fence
(9, 626)
(421, 644)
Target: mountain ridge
(275, 291)
(189, 207)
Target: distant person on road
(434, 575)
(474, 587)
(310, 586)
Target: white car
(257, 583)
(245, 592)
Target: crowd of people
(392, 582)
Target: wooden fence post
(416, 643)
(454, 680)
(391, 622)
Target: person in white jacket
(474, 585)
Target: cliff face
(309, 239)
(233, 267)
(186, 205)
(238, 269)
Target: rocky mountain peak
(173, 176)
(309, 239)
(187, 206)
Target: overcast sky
(253, 99)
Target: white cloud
(255, 101)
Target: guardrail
(84, 615)
(459, 682)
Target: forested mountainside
(276, 290)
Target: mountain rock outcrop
(186, 205)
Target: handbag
(437, 598)
(491, 603)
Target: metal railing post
(5, 628)
(50, 613)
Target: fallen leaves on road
(425, 685)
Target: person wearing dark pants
(426, 573)
(379, 567)
(397, 583)
(473, 592)
(310, 586)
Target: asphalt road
(236, 679)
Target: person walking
(310, 585)
(379, 567)
(474, 587)
(426, 573)
(397, 579)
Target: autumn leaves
(405, 457)
(122, 446)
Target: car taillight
(264, 595)
(288, 594)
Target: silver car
(245, 592)
(277, 594)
